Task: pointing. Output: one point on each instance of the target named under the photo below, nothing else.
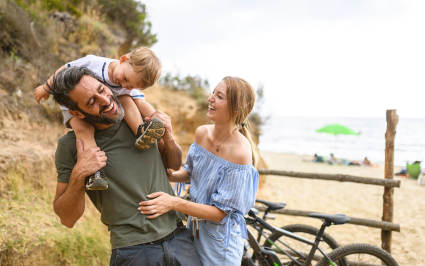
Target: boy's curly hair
(146, 64)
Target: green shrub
(131, 16)
(194, 85)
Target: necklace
(217, 146)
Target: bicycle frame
(264, 225)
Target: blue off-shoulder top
(228, 186)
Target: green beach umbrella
(337, 129)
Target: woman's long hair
(241, 99)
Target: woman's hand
(159, 204)
(180, 175)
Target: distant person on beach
(318, 158)
(132, 175)
(334, 160)
(220, 166)
(367, 162)
(137, 69)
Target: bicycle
(353, 254)
(327, 243)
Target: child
(138, 69)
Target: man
(132, 175)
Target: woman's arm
(180, 175)
(162, 202)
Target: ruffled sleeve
(236, 189)
(188, 166)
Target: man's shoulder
(67, 141)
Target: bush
(131, 16)
(194, 85)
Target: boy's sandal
(152, 131)
(97, 181)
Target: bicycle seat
(272, 205)
(333, 218)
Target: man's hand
(165, 119)
(40, 93)
(69, 203)
(88, 161)
(170, 151)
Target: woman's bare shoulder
(202, 132)
(241, 152)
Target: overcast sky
(313, 57)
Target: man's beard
(100, 119)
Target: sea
(297, 135)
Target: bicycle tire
(359, 251)
(328, 243)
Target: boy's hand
(40, 93)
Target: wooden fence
(386, 224)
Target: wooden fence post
(387, 214)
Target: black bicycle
(327, 243)
(279, 252)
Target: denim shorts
(177, 249)
(211, 244)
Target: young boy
(138, 69)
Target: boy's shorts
(134, 93)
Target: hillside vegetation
(37, 37)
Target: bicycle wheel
(359, 254)
(279, 243)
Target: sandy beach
(356, 200)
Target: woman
(220, 166)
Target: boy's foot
(152, 131)
(97, 181)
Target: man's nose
(104, 99)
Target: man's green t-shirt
(131, 175)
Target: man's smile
(109, 108)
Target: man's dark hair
(65, 81)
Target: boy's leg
(85, 132)
(131, 113)
(145, 108)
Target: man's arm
(171, 152)
(69, 202)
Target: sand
(355, 200)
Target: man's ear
(123, 58)
(77, 114)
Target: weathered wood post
(387, 214)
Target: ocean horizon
(298, 135)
